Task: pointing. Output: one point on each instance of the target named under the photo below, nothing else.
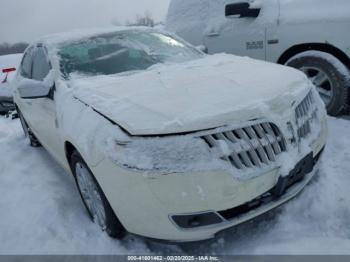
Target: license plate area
(304, 167)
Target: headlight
(168, 154)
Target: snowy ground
(41, 212)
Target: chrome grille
(306, 113)
(252, 146)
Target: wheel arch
(69, 149)
(323, 47)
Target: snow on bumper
(145, 204)
(159, 205)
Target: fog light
(196, 220)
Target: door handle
(29, 103)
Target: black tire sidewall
(114, 228)
(34, 142)
(23, 124)
(339, 100)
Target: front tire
(329, 75)
(94, 199)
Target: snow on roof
(75, 35)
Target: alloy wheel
(322, 82)
(90, 195)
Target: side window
(26, 65)
(41, 65)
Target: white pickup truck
(310, 35)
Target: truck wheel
(94, 199)
(328, 74)
(34, 142)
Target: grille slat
(231, 137)
(210, 140)
(250, 146)
(250, 139)
(274, 141)
(264, 141)
(236, 161)
(269, 146)
(256, 144)
(306, 113)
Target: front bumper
(145, 203)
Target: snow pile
(41, 210)
(43, 214)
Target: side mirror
(241, 10)
(32, 89)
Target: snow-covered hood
(202, 94)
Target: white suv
(165, 141)
(311, 35)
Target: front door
(44, 109)
(243, 35)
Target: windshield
(123, 51)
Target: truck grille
(306, 113)
(251, 146)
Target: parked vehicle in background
(155, 150)
(310, 35)
(8, 65)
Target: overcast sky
(25, 20)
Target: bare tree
(142, 20)
(6, 48)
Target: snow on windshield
(123, 51)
